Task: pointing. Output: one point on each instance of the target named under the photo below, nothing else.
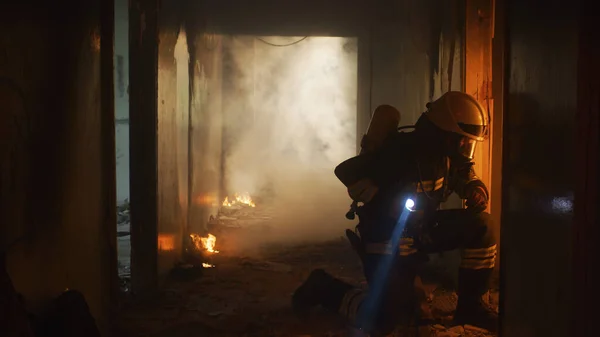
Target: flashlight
(410, 205)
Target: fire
(205, 243)
(243, 198)
(208, 265)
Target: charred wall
(57, 153)
(538, 172)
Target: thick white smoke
(302, 99)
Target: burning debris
(200, 250)
(204, 243)
(238, 200)
(198, 255)
(240, 223)
(239, 207)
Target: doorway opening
(289, 117)
(121, 94)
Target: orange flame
(243, 198)
(207, 243)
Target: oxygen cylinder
(384, 122)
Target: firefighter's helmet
(461, 114)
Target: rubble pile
(249, 219)
(123, 219)
(240, 212)
(237, 220)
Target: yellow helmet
(461, 114)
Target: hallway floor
(249, 295)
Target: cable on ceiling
(281, 45)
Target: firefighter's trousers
(390, 268)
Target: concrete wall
(143, 114)
(207, 129)
(410, 41)
(121, 63)
(586, 251)
(411, 56)
(539, 174)
(57, 188)
(173, 121)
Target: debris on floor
(250, 296)
(186, 272)
(228, 291)
(267, 265)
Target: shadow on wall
(14, 140)
(53, 174)
(544, 173)
(537, 211)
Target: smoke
(290, 118)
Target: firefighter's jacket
(406, 166)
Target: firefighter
(400, 187)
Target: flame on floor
(208, 265)
(239, 199)
(205, 243)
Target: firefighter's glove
(363, 191)
(477, 198)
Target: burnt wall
(538, 173)
(57, 153)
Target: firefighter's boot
(319, 289)
(471, 308)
